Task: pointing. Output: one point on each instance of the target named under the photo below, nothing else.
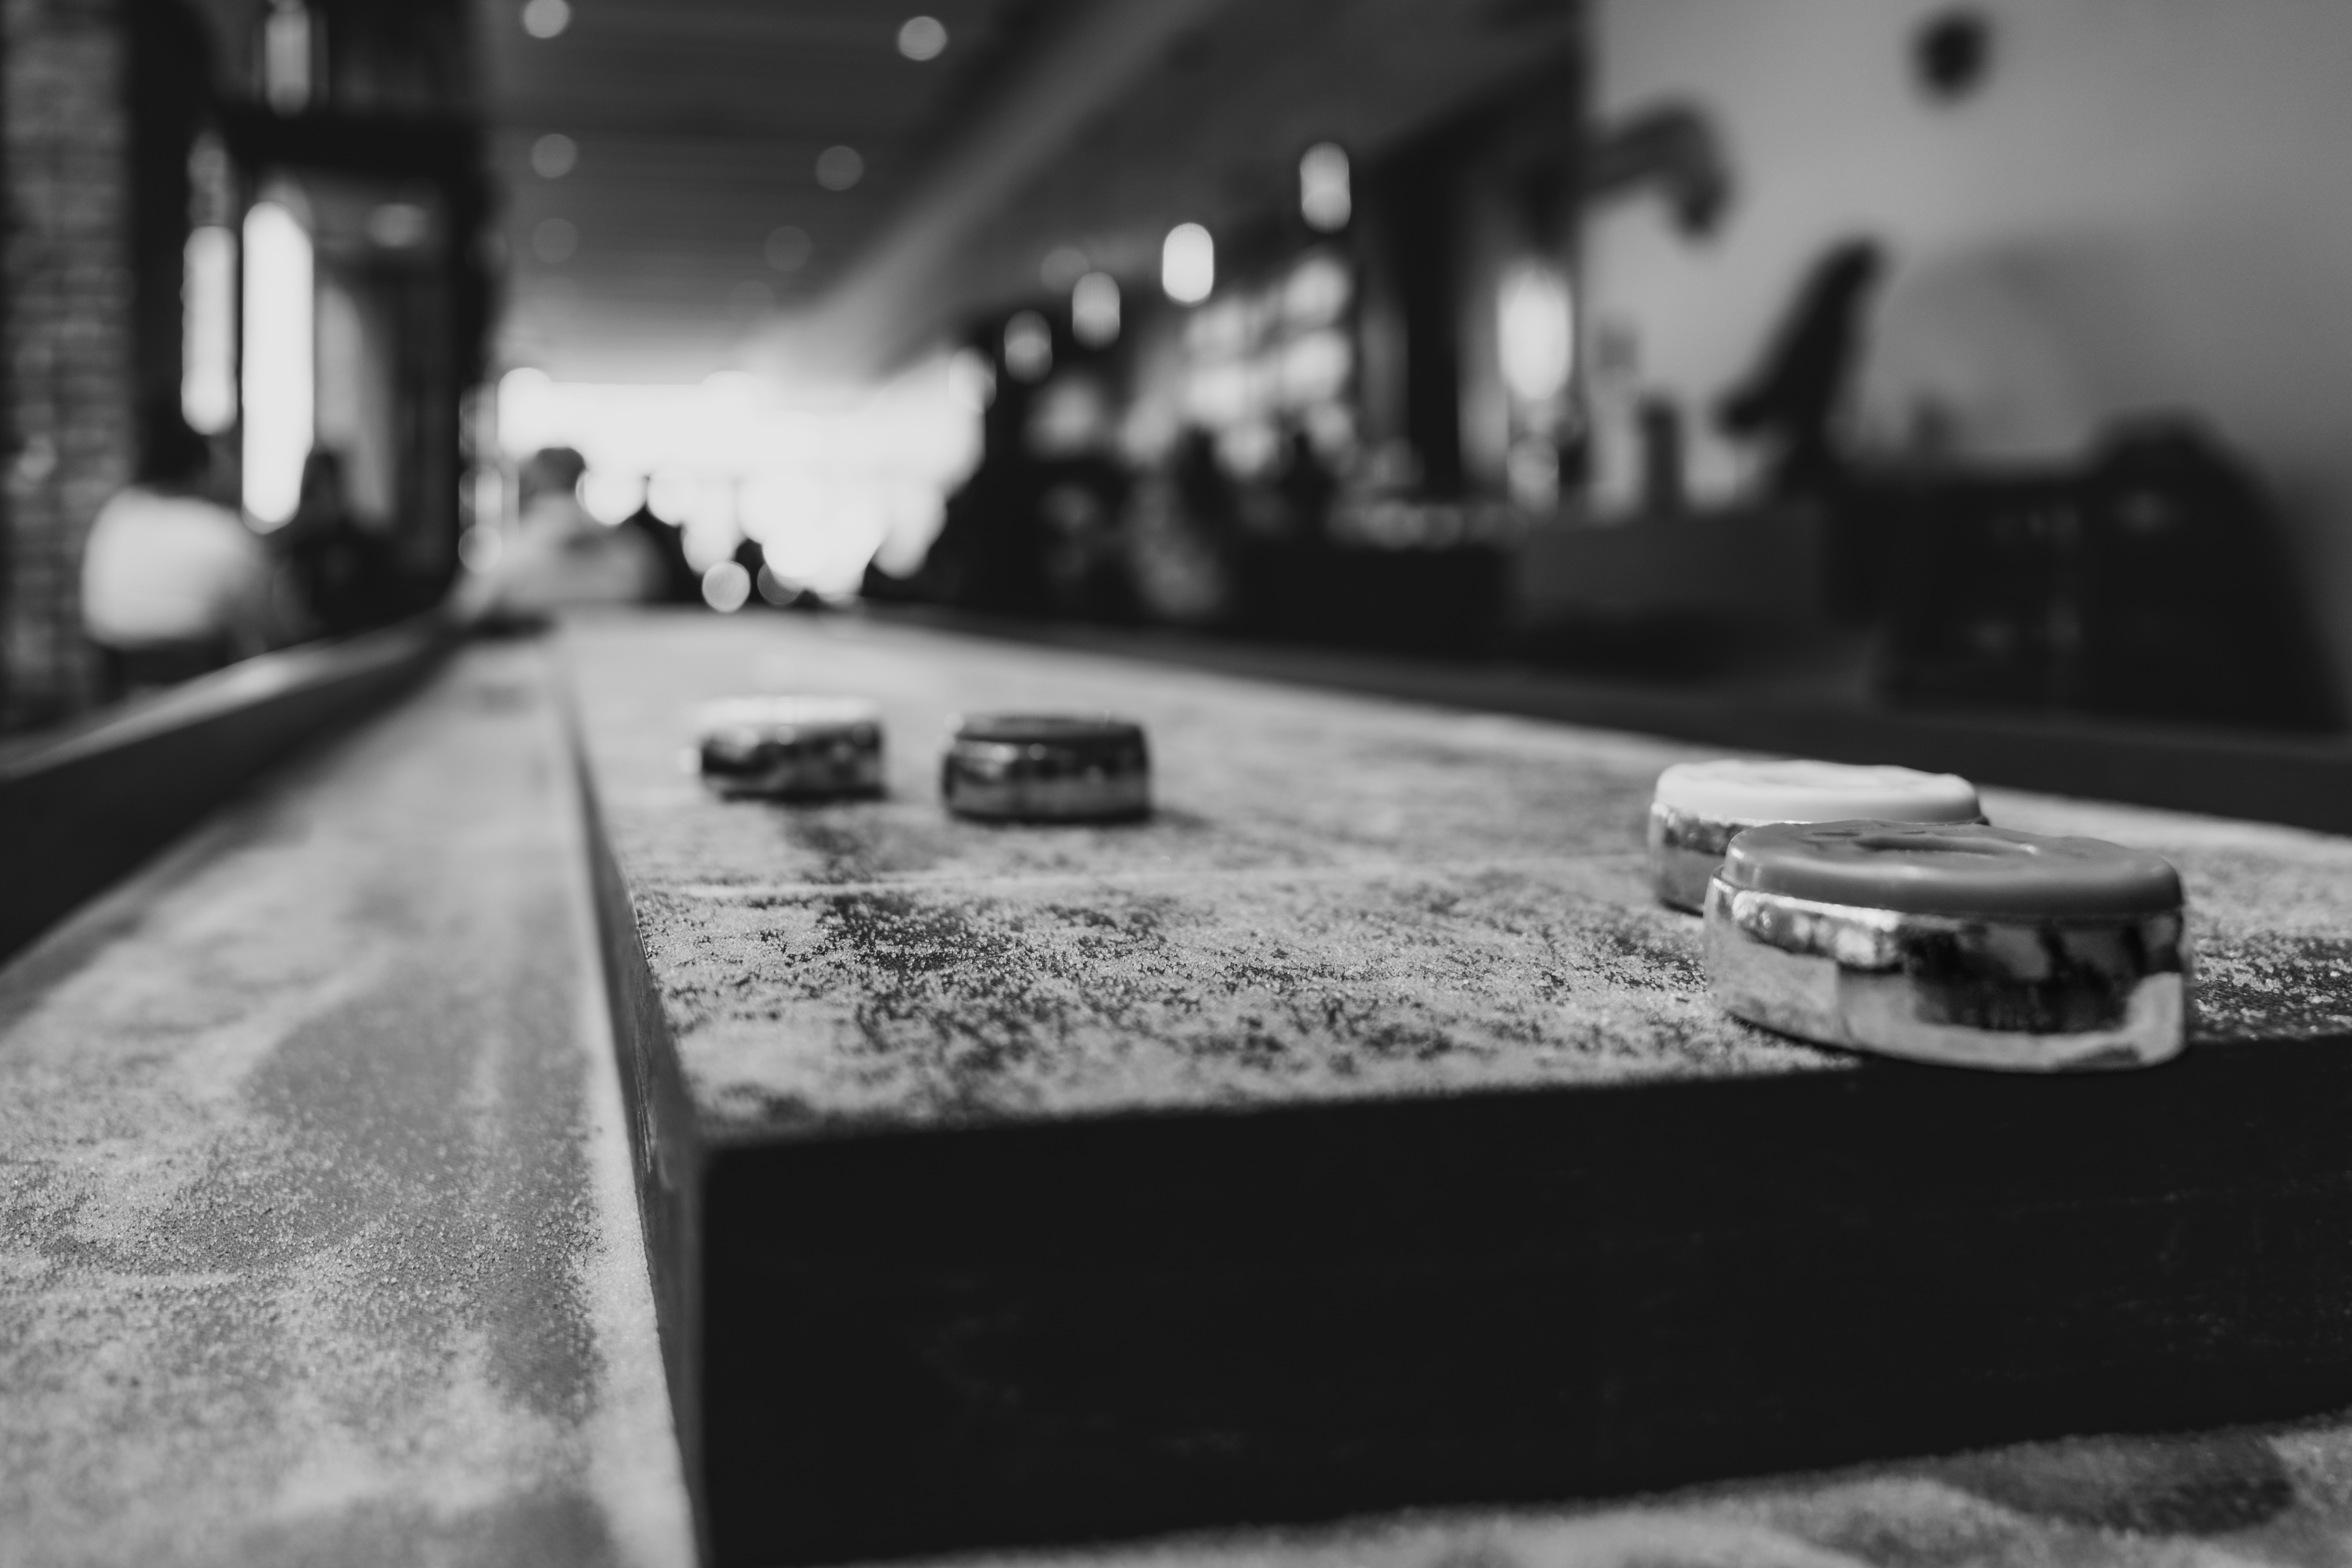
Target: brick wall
(65, 322)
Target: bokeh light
(611, 494)
(727, 587)
(553, 155)
(279, 390)
(1187, 264)
(208, 329)
(288, 53)
(1537, 331)
(1028, 347)
(823, 484)
(546, 19)
(1318, 291)
(839, 168)
(1093, 310)
(922, 37)
(479, 549)
(1326, 198)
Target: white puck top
(1797, 791)
(768, 716)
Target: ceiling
(1094, 123)
(1213, 133)
(698, 124)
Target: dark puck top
(1959, 869)
(1078, 730)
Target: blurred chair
(2151, 582)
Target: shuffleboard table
(1357, 1132)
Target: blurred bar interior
(1957, 384)
(1974, 358)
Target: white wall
(2148, 204)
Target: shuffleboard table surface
(318, 1245)
(1338, 897)
(1358, 1134)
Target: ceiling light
(208, 329)
(285, 56)
(838, 168)
(553, 155)
(546, 19)
(1187, 264)
(789, 248)
(726, 587)
(1028, 347)
(279, 390)
(1093, 310)
(1325, 199)
(922, 38)
(1537, 326)
(1318, 291)
(612, 494)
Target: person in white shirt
(556, 557)
(171, 584)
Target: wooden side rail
(79, 810)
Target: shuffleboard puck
(1699, 806)
(790, 747)
(1046, 767)
(1963, 944)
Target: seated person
(1791, 404)
(347, 574)
(557, 556)
(172, 584)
